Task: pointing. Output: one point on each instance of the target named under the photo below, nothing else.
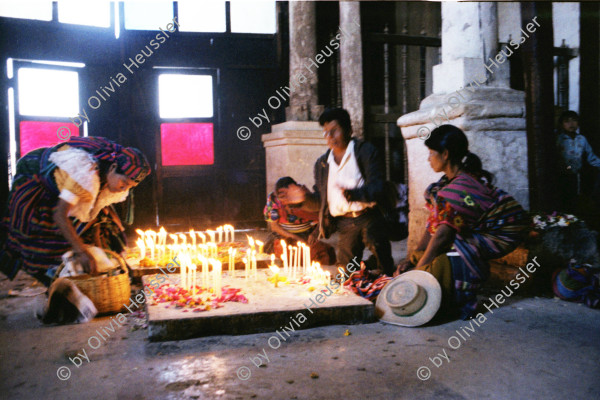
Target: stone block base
(268, 310)
(291, 150)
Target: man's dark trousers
(368, 229)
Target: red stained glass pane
(36, 134)
(187, 144)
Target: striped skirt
(33, 240)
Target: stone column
(303, 48)
(292, 148)
(351, 65)
(490, 114)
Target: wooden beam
(400, 39)
(542, 151)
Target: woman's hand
(404, 266)
(87, 261)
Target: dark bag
(391, 215)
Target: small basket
(109, 294)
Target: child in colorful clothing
(574, 149)
(287, 221)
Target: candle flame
(274, 268)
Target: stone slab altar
(268, 309)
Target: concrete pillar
(469, 40)
(490, 113)
(351, 65)
(488, 27)
(303, 47)
(292, 150)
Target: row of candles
(208, 278)
(153, 243)
(296, 260)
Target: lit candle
(293, 257)
(182, 270)
(227, 229)
(211, 234)
(249, 257)
(254, 266)
(218, 266)
(230, 269)
(233, 260)
(141, 233)
(150, 245)
(140, 244)
(260, 246)
(308, 260)
(193, 236)
(162, 239)
(250, 242)
(275, 270)
(183, 238)
(193, 268)
(272, 259)
(174, 237)
(302, 258)
(245, 260)
(201, 236)
(150, 234)
(298, 256)
(204, 272)
(220, 232)
(284, 256)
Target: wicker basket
(109, 294)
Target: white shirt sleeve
(69, 197)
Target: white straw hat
(410, 299)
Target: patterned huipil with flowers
(292, 219)
(488, 222)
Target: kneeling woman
(61, 193)
(470, 221)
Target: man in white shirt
(349, 182)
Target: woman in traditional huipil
(470, 221)
(61, 193)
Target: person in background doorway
(574, 150)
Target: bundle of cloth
(66, 303)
